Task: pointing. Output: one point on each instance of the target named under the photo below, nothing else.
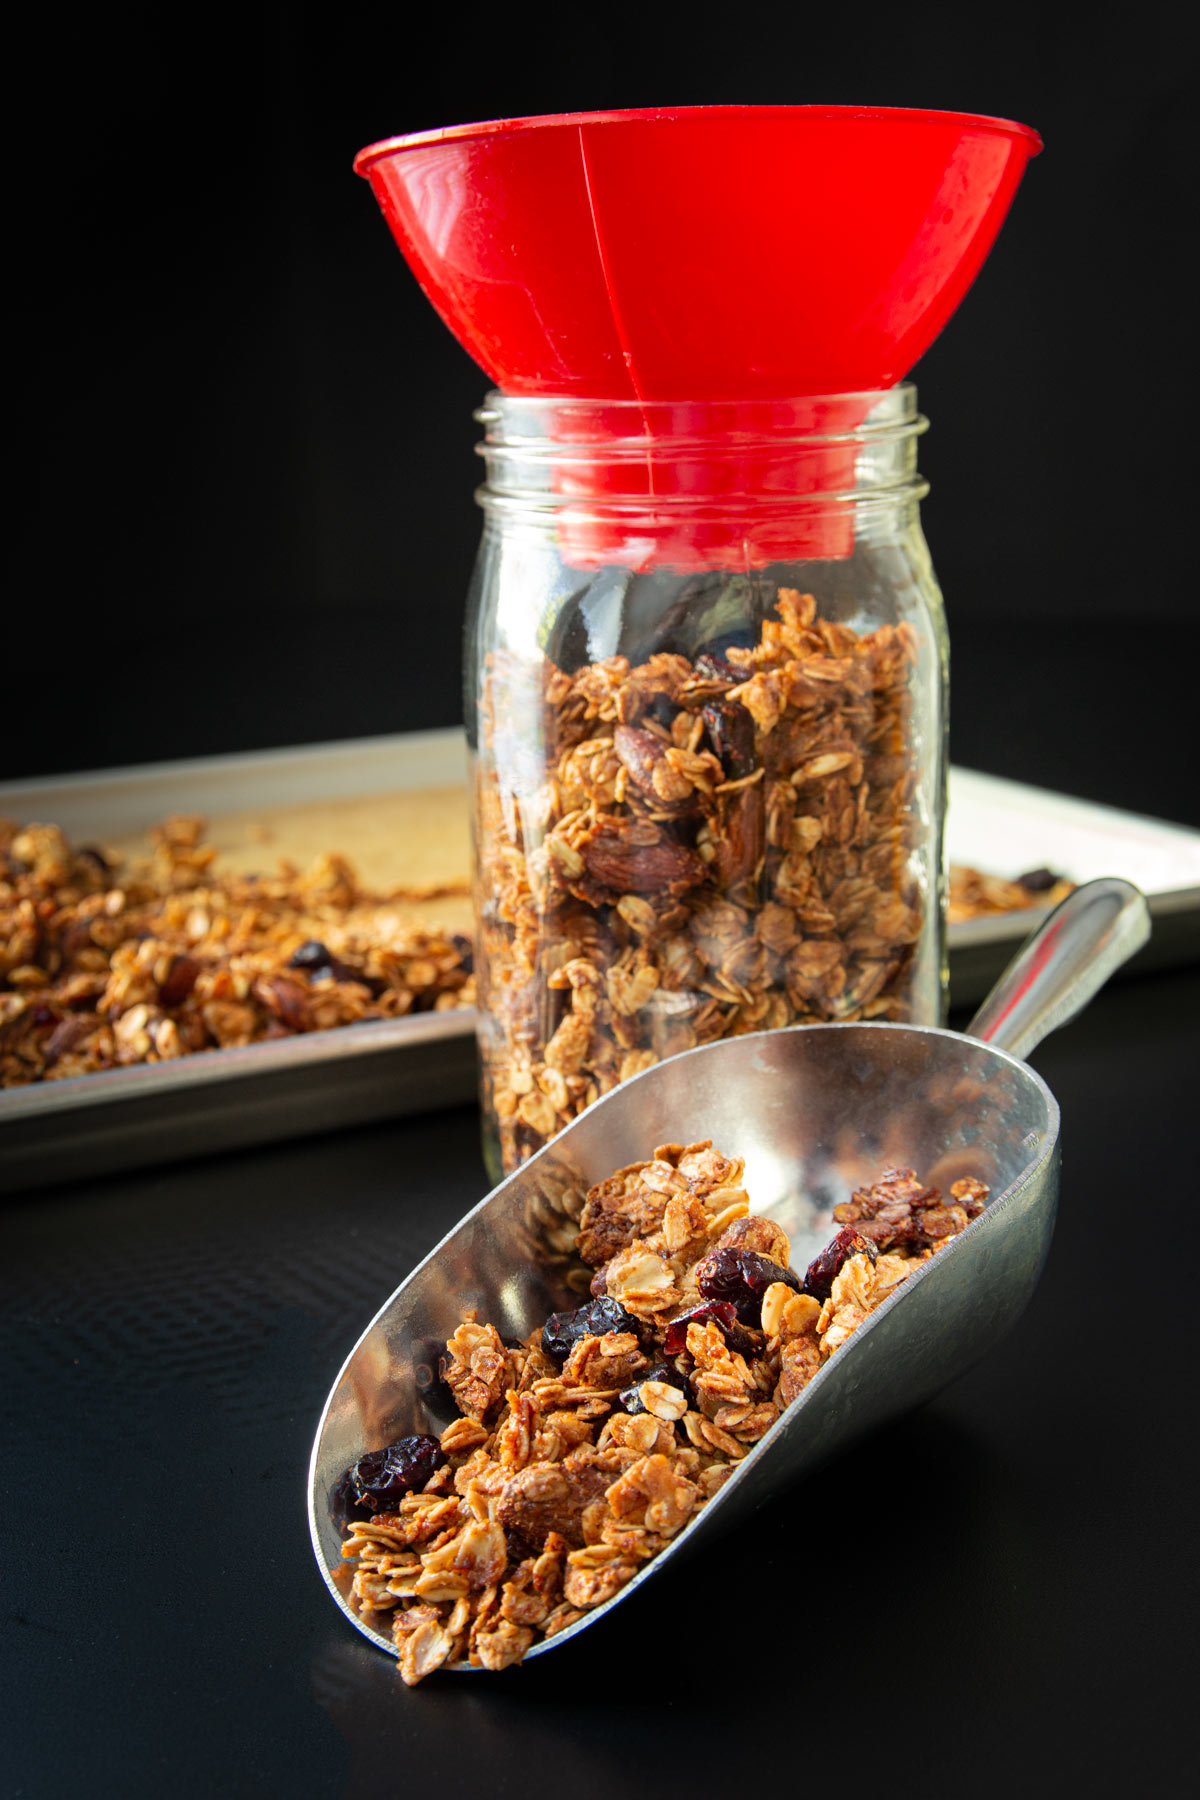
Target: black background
(240, 516)
(245, 513)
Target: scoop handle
(1068, 959)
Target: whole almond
(645, 759)
(631, 861)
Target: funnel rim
(441, 134)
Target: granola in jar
(705, 706)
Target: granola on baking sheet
(582, 1452)
(695, 848)
(103, 965)
(974, 894)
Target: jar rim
(900, 391)
(556, 423)
(701, 479)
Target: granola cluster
(103, 965)
(580, 1453)
(977, 895)
(704, 847)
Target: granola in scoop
(582, 1452)
(103, 965)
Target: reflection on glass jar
(705, 701)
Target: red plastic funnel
(716, 252)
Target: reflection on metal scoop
(815, 1110)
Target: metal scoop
(815, 1110)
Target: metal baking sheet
(1005, 827)
(364, 797)
(398, 806)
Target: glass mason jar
(706, 673)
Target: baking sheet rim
(143, 1080)
(372, 1036)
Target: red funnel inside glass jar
(704, 253)
(697, 484)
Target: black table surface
(992, 1596)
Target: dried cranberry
(741, 1277)
(320, 964)
(631, 1397)
(312, 955)
(731, 733)
(824, 1269)
(722, 1313)
(382, 1477)
(42, 1014)
(1038, 881)
(466, 952)
(563, 1330)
